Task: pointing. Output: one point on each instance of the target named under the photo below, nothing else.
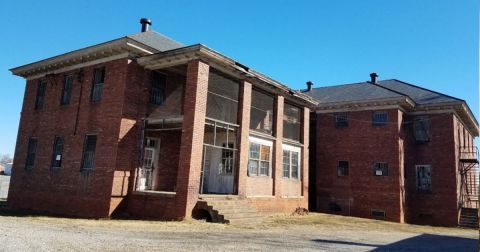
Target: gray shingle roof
(156, 40)
(351, 92)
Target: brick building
(145, 126)
(392, 150)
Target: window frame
(157, 94)
(344, 174)
(97, 87)
(57, 151)
(31, 151)
(85, 146)
(67, 89)
(423, 122)
(386, 168)
(261, 143)
(376, 115)
(40, 96)
(290, 149)
(420, 190)
(339, 124)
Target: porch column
(305, 151)
(277, 149)
(245, 102)
(191, 149)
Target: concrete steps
(230, 210)
(469, 218)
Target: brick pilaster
(191, 150)
(245, 102)
(305, 151)
(277, 149)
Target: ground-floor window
(424, 178)
(259, 160)
(291, 161)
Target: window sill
(292, 197)
(292, 179)
(259, 176)
(292, 142)
(156, 193)
(261, 135)
(260, 197)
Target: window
(222, 98)
(57, 153)
(291, 122)
(380, 118)
(97, 88)
(291, 162)
(89, 152)
(40, 99)
(31, 153)
(259, 157)
(261, 112)
(342, 168)
(378, 213)
(380, 169)
(67, 90)
(227, 159)
(157, 91)
(341, 120)
(421, 129)
(424, 178)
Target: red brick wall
(67, 191)
(361, 144)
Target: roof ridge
(425, 89)
(339, 85)
(394, 91)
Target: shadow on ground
(423, 242)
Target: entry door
(218, 169)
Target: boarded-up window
(291, 122)
(341, 120)
(157, 90)
(380, 169)
(342, 168)
(31, 153)
(40, 99)
(89, 152)
(222, 98)
(67, 90)
(380, 118)
(261, 112)
(97, 87)
(57, 153)
(421, 129)
(424, 178)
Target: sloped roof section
(362, 91)
(156, 40)
(421, 96)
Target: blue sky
(432, 43)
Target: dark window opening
(89, 152)
(292, 122)
(222, 98)
(97, 87)
(380, 118)
(31, 153)
(379, 213)
(157, 90)
(40, 99)
(57, 153)
(341, 120)
(380, 169)
(67, 90)
(342, 169)
(424, 178)
(261, 112)
(421, 129)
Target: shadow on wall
(423, 242)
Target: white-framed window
(260, 157)
(291, 161)
(424, 178)
(227, 159)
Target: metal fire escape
(469, 173)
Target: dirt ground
(315, 232)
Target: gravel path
(59, 234)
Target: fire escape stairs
(469, 188)
(230, 211)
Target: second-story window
(57, 153)
(341, 120)
(40, 99)
(379, 118)
(67, 90)
(292, 122)
(97, 87)
(380, 169)
(31, 153)
(157, 90)
(342, 168)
